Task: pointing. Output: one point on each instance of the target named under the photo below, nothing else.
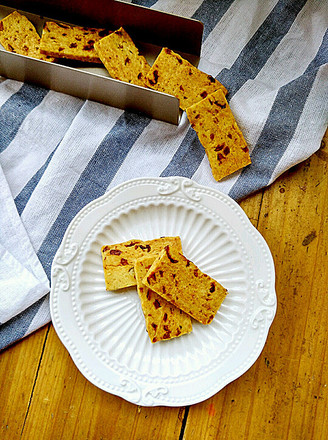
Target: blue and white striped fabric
(57, 152)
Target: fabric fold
(23, 280)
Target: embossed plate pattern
(105, 333)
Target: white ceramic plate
(105, 333)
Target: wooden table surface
(283, 395)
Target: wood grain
(282, 396)
(18, 372)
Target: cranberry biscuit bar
(163, 320)
(118, 259)
(182, 283)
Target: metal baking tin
(150, 29)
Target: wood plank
(18, 370)
(67, 406)
(252, 207)
(284, 394)
(302, 291)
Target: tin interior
(151, 30)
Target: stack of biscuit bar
(203, 98)
(171, 288)
(200, 95)
(18, 35)
(174, 75)
(118, 259)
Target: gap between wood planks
(36, 378)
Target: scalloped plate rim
(69, 343)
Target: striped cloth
(57, 152)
